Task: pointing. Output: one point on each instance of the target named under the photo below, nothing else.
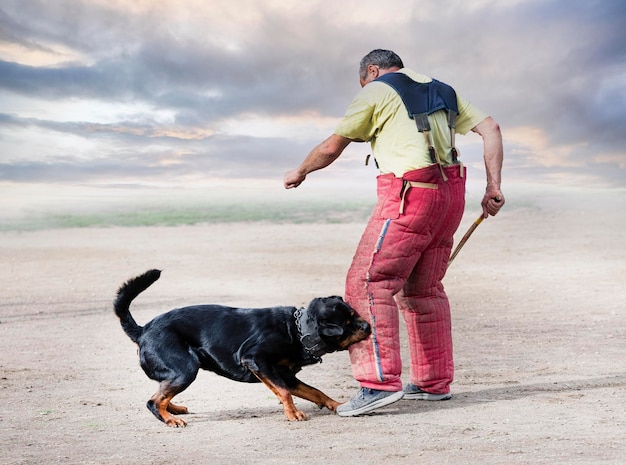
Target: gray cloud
(217, 156)
(557, 67)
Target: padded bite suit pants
(399, 264)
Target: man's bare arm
(489, 130)
(320, 157)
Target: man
(403, 254)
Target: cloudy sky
(118, 92)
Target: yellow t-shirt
(378, 115)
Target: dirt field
(538, 299)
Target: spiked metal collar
(308, 332)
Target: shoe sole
(396, 396)
(427, 396)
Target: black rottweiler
(243, 344)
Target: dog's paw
(300, 416)
(294, 414)
(175, 422)
(330, 405)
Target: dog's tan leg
(285, 398)
(160, 404)
(316, 396)
(177, 409)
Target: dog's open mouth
(359, 335)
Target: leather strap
(409, 184)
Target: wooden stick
(467, 235)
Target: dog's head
(339, 325)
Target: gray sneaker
(412, 392)
(367, 400)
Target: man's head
(376, 61)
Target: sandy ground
(538, 301)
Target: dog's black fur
(248, 345)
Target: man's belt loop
(405, 188)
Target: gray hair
(384, 59)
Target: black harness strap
(422, 99)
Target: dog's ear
(329, 329)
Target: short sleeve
(469, 116)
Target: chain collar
(309, 334)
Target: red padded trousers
(399, 265)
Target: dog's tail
(125, 295)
